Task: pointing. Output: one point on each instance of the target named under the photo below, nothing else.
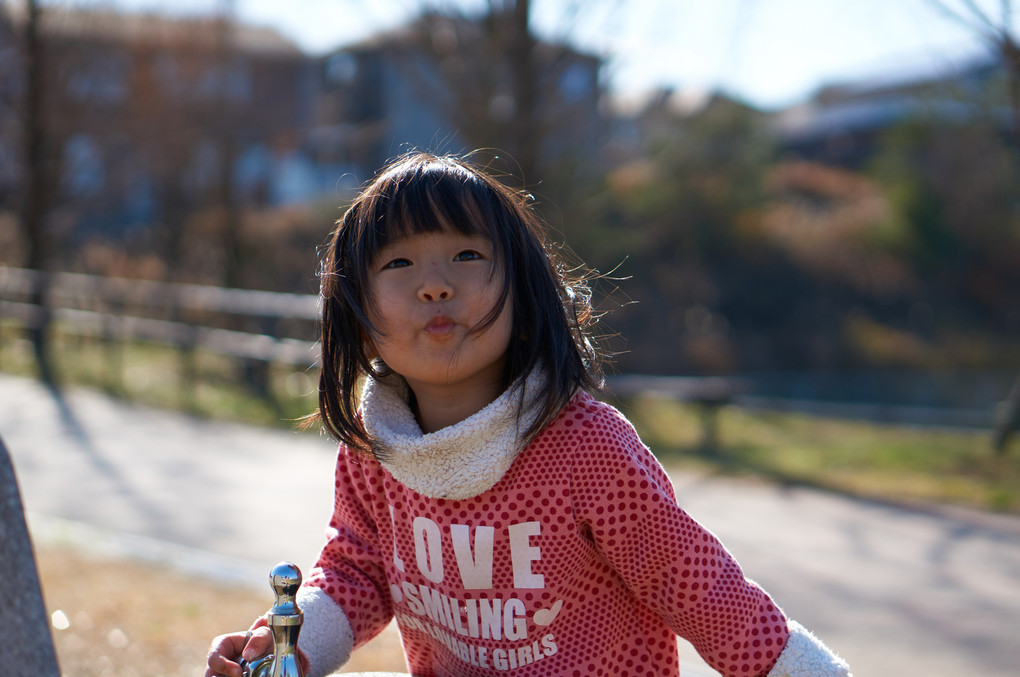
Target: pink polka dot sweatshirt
(569, 557)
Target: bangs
(435, 197)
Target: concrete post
(27, 644)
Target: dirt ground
(115, 618)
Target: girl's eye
(467, 255)
(397, 263)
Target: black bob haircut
(425, 193)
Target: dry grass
(128, 619)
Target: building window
(577, 83)
(99, 80)
(84, 174)
(341, 68)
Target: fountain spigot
(284, 619)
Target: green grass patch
(198, 382)
(864, 459)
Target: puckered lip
(440, 324)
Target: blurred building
(843, 124)
(146, 114)
(454, 84)
(149, 117)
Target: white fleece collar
(457, 462)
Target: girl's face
(429, 292)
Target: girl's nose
(435, 287)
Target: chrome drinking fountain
(285, 619)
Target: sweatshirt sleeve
(625, 501)
(346, 595)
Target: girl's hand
(227, 650)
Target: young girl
(508, 520)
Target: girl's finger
(219, 666)
(224, 653)
(259, 643)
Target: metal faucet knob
(284, 619)
(285, 579)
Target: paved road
(897, 592)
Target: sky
(772, 53)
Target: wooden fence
(268, 327)
(252, 325)
(257, 329)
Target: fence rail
(120, 308)
(114, 290)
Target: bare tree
(38, 183)
(501, 87)
(50, 90)
(227, 118)
(999, 35)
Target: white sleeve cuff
(326, 637)
(805, 656)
